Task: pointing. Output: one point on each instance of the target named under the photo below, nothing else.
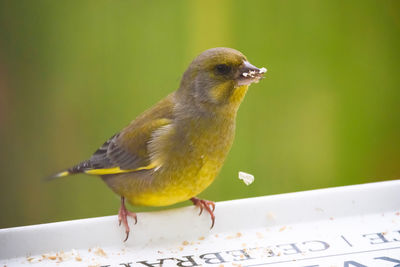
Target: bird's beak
(250, 74)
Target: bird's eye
(223, 69)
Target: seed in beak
(252, 73)
(262, 70)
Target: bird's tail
(79, 168)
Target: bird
(174, 150)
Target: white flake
(246, 177)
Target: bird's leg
(123, 214)
(205, 204)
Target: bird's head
(217, 77)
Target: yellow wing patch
(117, 170)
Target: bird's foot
(123, 214)
(205, 204)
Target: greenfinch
(174, 150)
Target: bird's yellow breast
(182, 186)
(190, 167)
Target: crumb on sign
(271, 216)
(100, 252)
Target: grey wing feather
(111, 155)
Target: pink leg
(123, 214)
(205, 204)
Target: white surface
(345, 226)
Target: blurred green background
(72, 73)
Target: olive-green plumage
(174, 150)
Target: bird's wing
(128, 150)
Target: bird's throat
(238, 95)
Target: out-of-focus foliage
(72, 73)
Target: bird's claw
(205, 204)
(123, 214)
(201, 209)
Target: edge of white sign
(184, 223)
